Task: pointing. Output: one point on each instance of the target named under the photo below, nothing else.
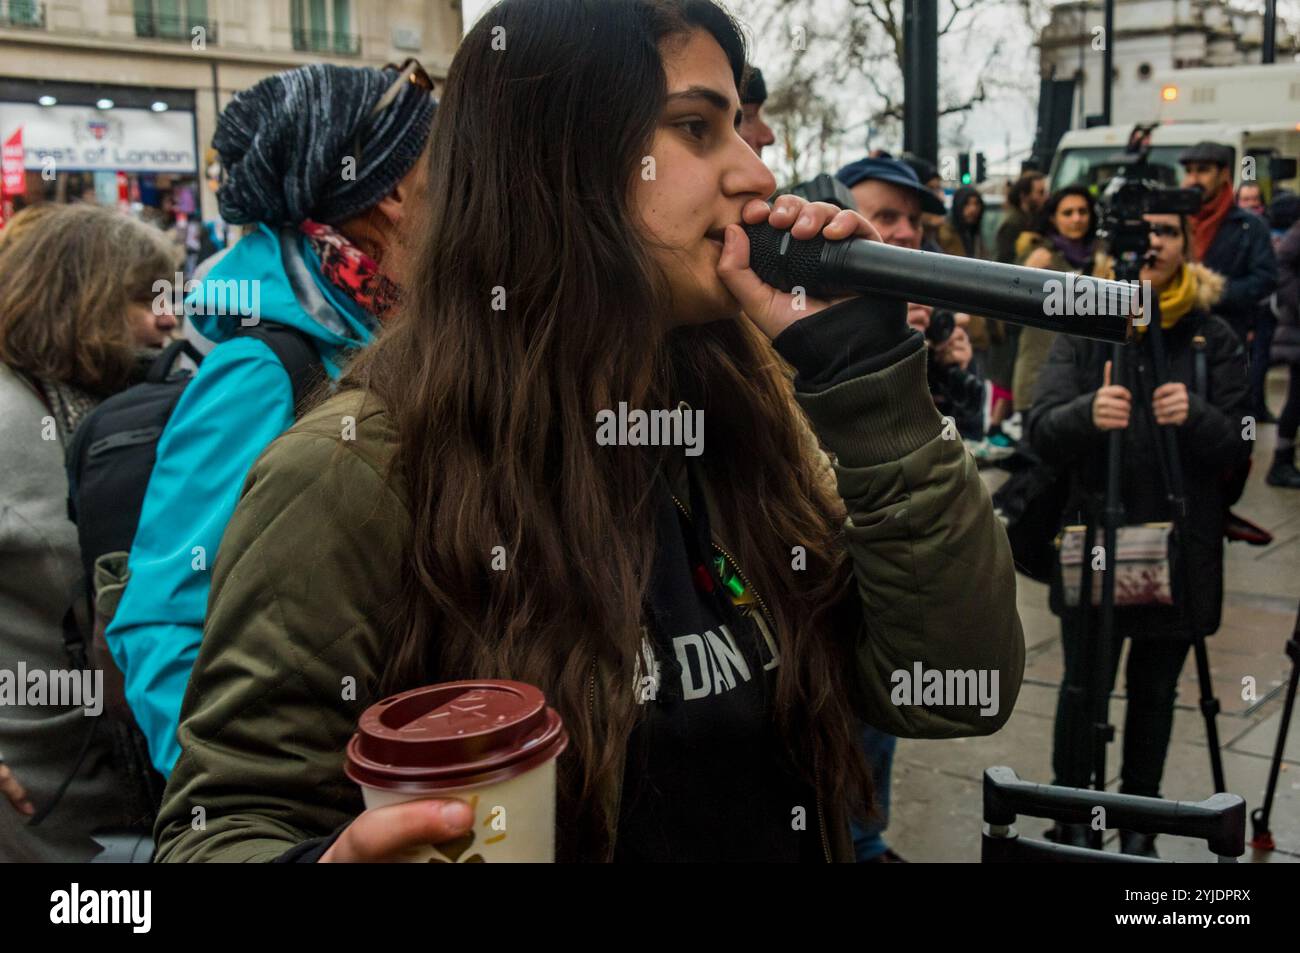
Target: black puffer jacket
(1061, 431)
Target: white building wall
(1158, 34)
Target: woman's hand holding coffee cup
(455, 773)
(393, 833)
(771, 310)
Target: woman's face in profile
(151, 326)
(697, 177)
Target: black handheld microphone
(1035, 297)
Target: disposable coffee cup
(491, 743)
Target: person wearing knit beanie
(285, 144)
(322, 161)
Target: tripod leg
(1173, 475)
(1262, 837)
(1209, 710)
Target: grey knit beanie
(283, 143)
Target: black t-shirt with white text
(708, 777)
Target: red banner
(13, 180)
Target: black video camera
(1138, 188)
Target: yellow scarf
(1176, 299)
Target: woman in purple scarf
(1069, 243)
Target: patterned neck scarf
(68, 405)
(351, 270)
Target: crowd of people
(433, 337)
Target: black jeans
(1289, 420)
(1265, 326)
(1151, 683)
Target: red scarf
(351, 270)
(1206, 222)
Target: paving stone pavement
(935, 815)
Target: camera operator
(892, 198)
(1077, 402)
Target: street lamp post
(1107, 62)
(921, 78)
(1269, 52)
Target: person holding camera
(1078, 402)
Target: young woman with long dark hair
(582, 250)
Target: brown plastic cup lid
(454, 735)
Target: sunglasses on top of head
(409, 72)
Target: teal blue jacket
(238, 402)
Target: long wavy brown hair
(533, 303)
(68, 273)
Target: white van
(1253, 109)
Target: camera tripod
(1129, 237)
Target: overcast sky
(1008, 116)
(1003, 125)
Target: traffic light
(963, 165)
(981, 167)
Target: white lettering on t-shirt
(710, 663)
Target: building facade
(1151, 38)
(120, 97)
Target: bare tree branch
(957, 9)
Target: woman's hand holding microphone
(771, 310)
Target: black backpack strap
(293, 350)
(161, 367)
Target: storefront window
(135, 159)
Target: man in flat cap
(1234, 243)
(893, 199)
